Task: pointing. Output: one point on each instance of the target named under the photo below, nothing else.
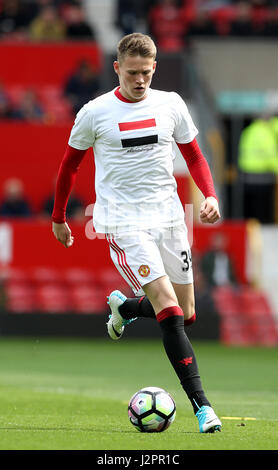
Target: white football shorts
(146, 255)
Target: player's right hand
(63, 234)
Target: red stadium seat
(76, 276)
(50, 97)
(88, 300)
(14, 274)
(245, 317)
(15, 93)
(110, 279)
(21, 297)
(52, 298)
(46, 275)
(254, 302)
(226, 301)
(55, 103)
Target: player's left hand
(209, 211)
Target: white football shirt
(133, 151)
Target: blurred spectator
(127, 15)
(76, 26)
(205, 17)
(14, 203)
(82, 86)
(258, 146)
(28, 109)
(5, 105)
(3, 296)
(222, 18)
(273, 122)
(75, 207)
(131, 14)
(260, 11)
(271, 28)
(216, 264)
(241, 25)
(48, 26)
(209, 5)
(205, 307)
(167, 26)
(15, 16)
(265, 17)
(258, 163)
(202, 25)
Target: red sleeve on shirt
(198, 167)
(65, 181)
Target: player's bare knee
(160, 294)
(160, 301)
(188, 310)
(191, 316)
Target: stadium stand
(40, 57)
(58, 62)
(246, 317)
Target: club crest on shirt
(144, 270)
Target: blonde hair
(136, 44)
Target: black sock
(198, 399)
(181, 355)
(137, 307)
(142, 307)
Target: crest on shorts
(144, 270)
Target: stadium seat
(20, 297)
(55, 103)
(52, 298)
(245, 317)
(254, 302)
(14, 274)
(45, 275)
(15, 93)
(50, 97)
(19, 291)
(226, 301)
(88, 300)
(110, 279)
(76, 276)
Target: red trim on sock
(190, 320)
(169, 312)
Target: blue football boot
(208, 421)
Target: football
(151, 409)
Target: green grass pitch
(72, 394)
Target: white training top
(133, 151)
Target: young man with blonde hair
(132, 129)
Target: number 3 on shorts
(187, 259)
